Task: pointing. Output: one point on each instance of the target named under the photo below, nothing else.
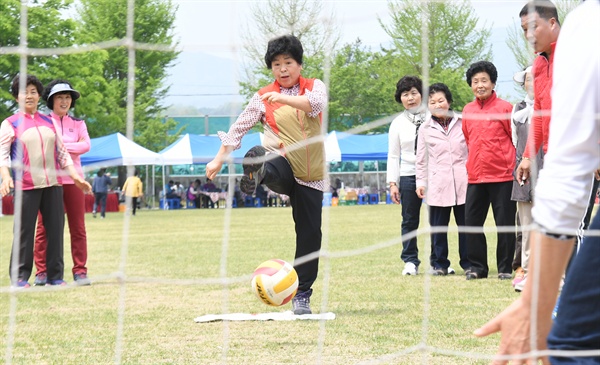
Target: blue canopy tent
(117, 150)
(358, 147)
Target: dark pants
(479, 197)
(577, 326)
(411, 213)
(306, 211)
(440, 217)
(100, 200)
(49, 202)
(133, 204)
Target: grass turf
(171, 255)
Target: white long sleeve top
(401, 145)
(564, 185)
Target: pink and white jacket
(441, 164)
(75, 138)
(30, 142)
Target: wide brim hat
(61, 88)
(521, 75)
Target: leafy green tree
(47, 28)
(105, 20)
(454, 41)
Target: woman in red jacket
(490, 164)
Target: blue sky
(209, 35)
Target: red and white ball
(275, 282)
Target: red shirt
(542, 105)
(487, 130)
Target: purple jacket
(441, 164)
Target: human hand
(420, 192)
(523, 171)
(213, 168)
(272, 97)
(83, 185)
(395, 194)
(108, 174)
(7, 184)
(514, 325)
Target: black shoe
(438, 271)
(504, 276)
(471, 275)
(253, 165)
(301, 302)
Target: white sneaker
(451, 271)
(410, 269)
(520, 285)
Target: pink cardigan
(75, 138)
(441, 164)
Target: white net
(154, 273)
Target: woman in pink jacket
(441, 172)
(60, 97)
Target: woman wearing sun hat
(60, 97)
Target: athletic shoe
(252, 163)
(40, 279)
(451, 271)
(519, 276)
(58, 282)
(438, 271)
(520, 285)
(504, 276)
(94, 214)
(410, 269)
(82, 279)
(22, 284)
(301, 302)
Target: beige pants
(524, 211)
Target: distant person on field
(100, 188)
(402, 151)
(490, 165)
(60, 97)
(441, 175)
(133, 188)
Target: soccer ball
(275, 282)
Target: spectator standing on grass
(441, 175)
(402, 147)
(134, 189)
(100, 188)
(490, 165)
(60, 97)
(561, 200)
(282, 107)
(523, 194)
(31, 143)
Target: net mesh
(422, 344)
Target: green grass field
(381, 315)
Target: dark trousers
(100, 200)
(49, 202)
(440, 217)
(479, 197)
(306, 210)
(133, 204)
(74, 204)
(577, 326)
(411, 213)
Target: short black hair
(442, 88)
(284, 45)
(405, 84)
(31, 80)
(48, 89)
(545, 9)
(482, 66)
(101, 172)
